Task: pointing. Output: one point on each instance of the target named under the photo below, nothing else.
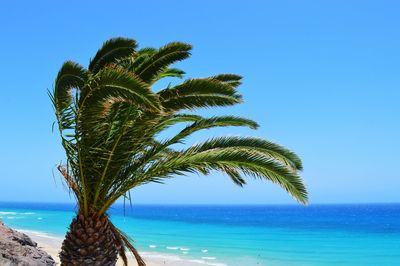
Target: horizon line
(211, 204)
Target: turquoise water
(243, 235)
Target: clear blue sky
(321, 77)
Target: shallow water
(243, 235)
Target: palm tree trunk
(89, 241)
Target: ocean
(271, 235)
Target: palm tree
(111, 122)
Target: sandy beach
(52, 244)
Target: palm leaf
(273, 150)
(197, 93)
(160, 60)
(218, 121)
(245, 160)
(171, 72)
(70, 76)
(111, 51)
(231, 79)
(117, 85)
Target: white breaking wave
(173, 248)
(14, 217)
(16, 213)
(8, 213)
(207, 263)
(209, 258)
(172, 258)
(216, 264)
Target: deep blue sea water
(271, 235)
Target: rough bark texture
(17, 249)
(89, 241)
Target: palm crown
(111, 120)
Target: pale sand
(51, 244)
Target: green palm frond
(117, 85)
(218, 121)
(197, 93)
(191, 102)
(111, 51)
(231, 79)
(146, 51)
(158, 61)
(71, 76)
(171, 72)
(243, 160)
(133, 62)
(271, 149)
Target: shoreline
(52, 245)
